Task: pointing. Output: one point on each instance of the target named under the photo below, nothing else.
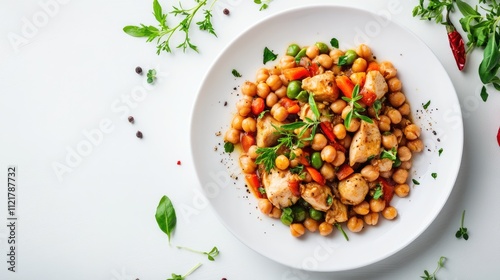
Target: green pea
(293, 50)
(303, 96)
(293, 89)
(300, 55)
(287, 216)
(316, 160)
(323, 48)
(315, 214)
(303, 203)
(350, 56)
(299, 213)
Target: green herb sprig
(339, 227)
(428, 276)
(165, 216)
(462, 231)
(151, 76)
(211, 254)
(264, 4)
(182, 277)
(356, 108)
(378, 192)
(163, 33)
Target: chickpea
(279, 112)
(364, 51)
(398, 133)
(262, 75)
(236, 122)
(249, 88)
(335, 54)
(359, 65)
(265, 206)
(287, 61)
(232, 135)
(252, 152)
(312, 51)
(355, 224)
(297, 229)
(404, 109)
(263, 89)
(394, 115)
(325, 61)
(389, 140)
(281, 92)
(394, 84)
(310, 224)
(397, 98)
(328, 171)
(371, 218)
(390, 213)
(404, 153)
(358, 78)
(282, 162)
(325, 228)
(319, 142)
(247, 164)
(384, 164)
(412, 132)
(339, 159)
(249, 125)
(361, 209)
(384, 124)
(346, 142)
(244, 107)
(339, 131)
(416, 146)
(275, 71)
(402, 190)
(336, 69)
(328, 153)
(271, 99)
(377, 205)
(370, 173)
(406, 165)
(354, 125)
(387, 70)
(386, 174)
(345, 111)
(274, 82)
(400, 176)
(275, 213)
(284, 80)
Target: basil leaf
(334, 43)
(269, 55)
(228, 147)
(165, 216)
(489, 65)
(466, 9)
(314, 107)
(342, 60)
(157, 11)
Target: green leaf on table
(165, 216)
(484, 94)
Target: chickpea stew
(326, 138)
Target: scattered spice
(226, 12)
(139, 134)
(178, 162)
(131, 119)
(138, 70)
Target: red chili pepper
(498, 136)
(456, 43)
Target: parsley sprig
(428, 276)
(163, 33)
(462, 231)
(356, 108)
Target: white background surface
(76, 72)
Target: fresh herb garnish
(339, 227)
(264, 4)
(342, 60)
(329, 200)
(415, 182)
(269, 55)
(182, 277)
(377, 106)
(426, 105)
(151, 76)
(434, 175)
(484, 94)
(356, 108)
(236, 73)
(165, 216)
(228, 147)
(378, 192)
(391, 154)
(440, 151)
(157, 33)
(261, 115)
(211, 255)
(262, 190)
(428, 276)
(462, 231)
(334, 43)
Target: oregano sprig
(210, 255)
(356, 108)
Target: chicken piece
(337, 213)
(376, 83)
(365, 143)
(267, 135)
(353, 189)
(322, 86)
(276, 184)
(317, 195)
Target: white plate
(423, 79)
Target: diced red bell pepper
(254, 184)
(345, 85)
(294, 187)
(327, 129)
(387, 190)
(292, 106)
(258, 105)
(316, 175)
(344, 171)
(369, 97)
(372, 65)
(247, 140)
(313, 69)
(296, 73)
